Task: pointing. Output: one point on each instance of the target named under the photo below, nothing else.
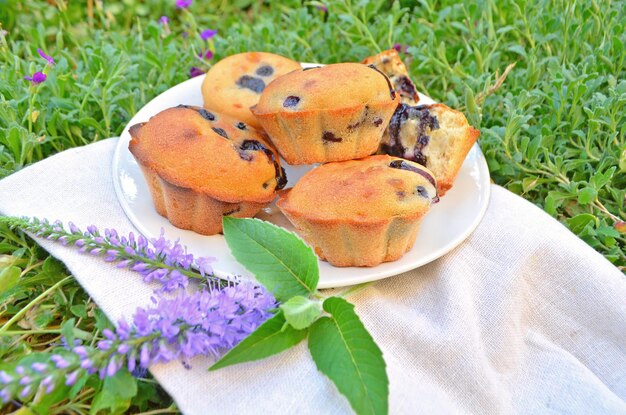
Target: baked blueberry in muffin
(330, 113)
(201, 165)
(235, 83)
(389, 63)
(434, 136)
(360, 212)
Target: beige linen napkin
(523, 317)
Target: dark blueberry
(220, 132)
(291, 101)
(419, 157)
(206, 114)
(241, 125)
(402, 165)
(230, 212)
(406, 87)
(265, 70)
(391, 91)
(252, 145)
(378, 121)
(281, 180)
(329, 136)
(252, 83)
(421, 190)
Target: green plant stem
(17, 316)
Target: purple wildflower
(157, 260)
(401, 48)
(208, 34)
(164, 20)
(183, 4)
(201, 323)
(193, 72)
(36, 78)
(46, 57)
(323, 8)
(207, 55)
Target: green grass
(553, 131)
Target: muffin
(389, 63)
(434, 136)
(360, 212)
(331, 113)
(235, 83)
(201, 165)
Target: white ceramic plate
(447, 224)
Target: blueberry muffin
(360, 212)
(235, 83)
(202, 165)
(389, 63)
(434, 136)
(330, 113)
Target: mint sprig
(339, 343)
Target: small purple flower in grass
(208, 55)
(46, 57)
(208, 34)
(323, 8)
(36, 78)
(164, 20)
(193, 72)
(401, 48)
(183, 4)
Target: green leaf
(343, 350)
(280, 260)
(578, 222)
(270, 338)
(300, 312)
(116, 393)
(9, 277)
(587, 195)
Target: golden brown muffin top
(235, 83)
(371, 189)
(337, 86)
(210, 153)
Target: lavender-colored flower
(36, 78)
(157, 260)
(208, 34)
(323, 8)
(164, 20)
(193, 72)
(46, 57)
(205, 322)
(183, 4)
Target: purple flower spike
(46, 57)
(36, 78)
(164, 20)
(71, 378)
(183, 4)
(59, 361)
(39, 367)
(208, 34)
(193, 72)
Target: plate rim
(345, 281)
